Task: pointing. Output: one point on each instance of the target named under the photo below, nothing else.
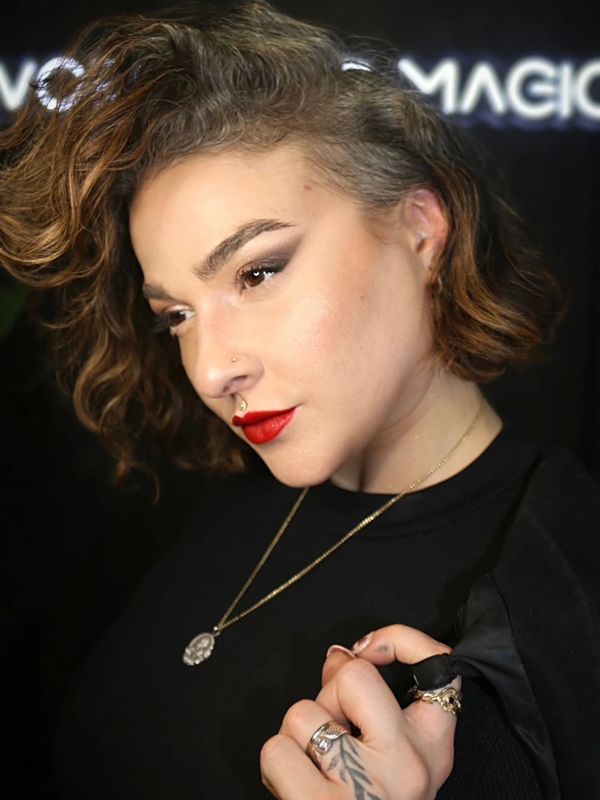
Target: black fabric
(492, 766)
(514, 536)
(434, 672)
(532, 628)
(487, 648)
(145, 725)
(549, 579)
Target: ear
(427, 224)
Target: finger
(384, 646)
(359, 693)
(287, 772)
(302, 720)
(336, 657)
(430, 722)
(422, 734)
(398, 643)
(300, 723)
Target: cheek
(328, 321)
(319, 331)
(367, 338)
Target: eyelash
(166, 322)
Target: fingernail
(337, 648)
(359, 646)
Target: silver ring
(449, 698)
(323, 738)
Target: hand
(399, 754)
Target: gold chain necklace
(201, 646)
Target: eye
(251, 277)
(171, 319)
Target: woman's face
(281, 292)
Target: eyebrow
(209, 266)
(213, 262)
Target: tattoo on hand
(352, 770)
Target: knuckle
(295, 714)
(356, 671)
(398, 632)
(271, 750)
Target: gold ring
(447, 697)
(323, 738)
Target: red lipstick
(260, 427)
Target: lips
(260, 427)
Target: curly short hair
(156, 88)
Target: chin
(298, 473)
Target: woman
(338, 276)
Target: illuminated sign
(15, 87)
(534, 90)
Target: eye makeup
(252, 276)
(257, 274)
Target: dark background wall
(72, 546)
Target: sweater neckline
(506, 460)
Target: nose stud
(242, 405)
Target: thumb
(408, 645)
(398, 643)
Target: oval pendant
(199, 649)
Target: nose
(219, 365)
(225, 376)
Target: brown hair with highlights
(157, 88)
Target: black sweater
(138, 723)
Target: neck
(422, 437)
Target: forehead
(223, 189)
(185, 210)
